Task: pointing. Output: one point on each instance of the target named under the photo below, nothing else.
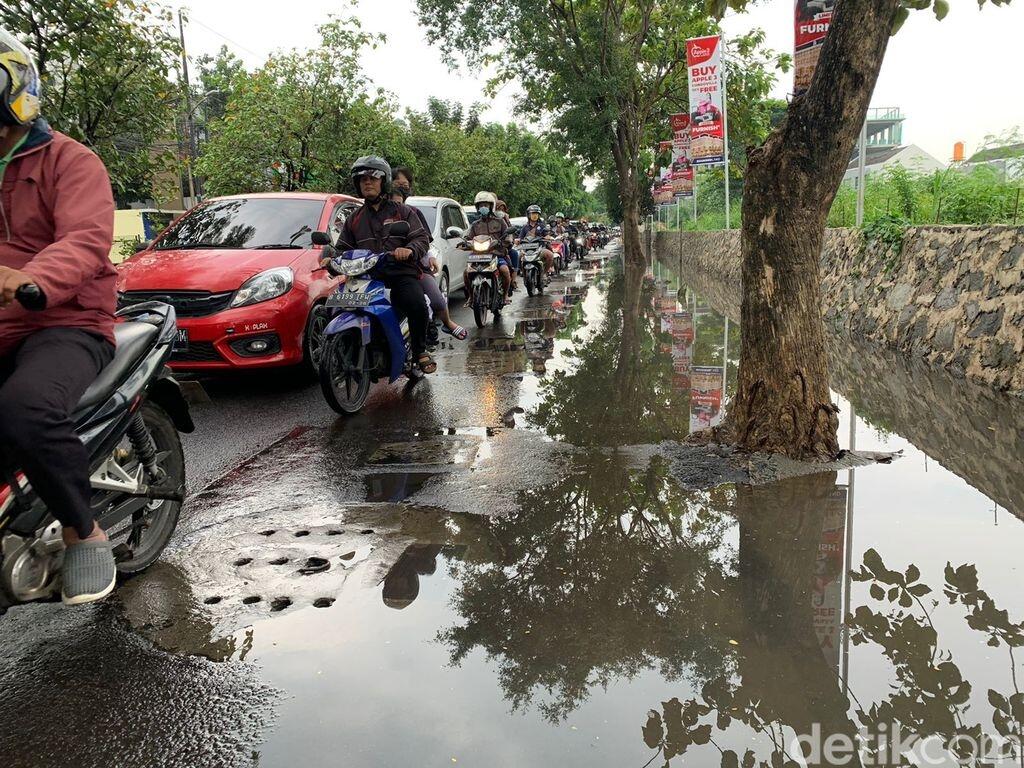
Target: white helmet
(486, 197)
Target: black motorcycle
(129, 420)
(485, 285)
(531, 264)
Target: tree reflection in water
(613, 571)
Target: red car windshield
(254, 222)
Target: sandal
(458, 332)
(426, 363)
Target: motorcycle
(485, 284)
(129, 420)
(365, 339)
(531, 264)
(560, 249)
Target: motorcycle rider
(513, 254)
(535, 227)
(58, 239)
(492, 224)
(369, 228)
(438, 301)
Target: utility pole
(861, 160)
(190, 128)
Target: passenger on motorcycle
(513, 254)
(369, 228)
(58, 239)
(492, 224)
(535, 227)
(438, 301)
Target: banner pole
(725, 131)
(861, 160)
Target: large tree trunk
(783, 402)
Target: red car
(240, 273)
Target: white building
(885, 147)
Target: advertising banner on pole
(707, 124)
(663, 194)
(681, 172)
(705, 397)
(813, 18)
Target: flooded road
(500, 568)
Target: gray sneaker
(89, 573)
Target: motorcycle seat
(133, 342)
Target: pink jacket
(57, 225)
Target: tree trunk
(783, 403)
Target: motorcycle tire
(528, 280)
(345, 393)
(153, 526)
(482, 305)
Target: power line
(223, 36)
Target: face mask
(484, 210)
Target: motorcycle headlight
(353, 267)
(481, 247)
(579, 241)
(264, 287)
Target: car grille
(185, 303)
(197, 352)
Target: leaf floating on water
(733, 642)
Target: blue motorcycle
(365, 340)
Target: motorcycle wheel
(482, 305)
(529, 283)
(344, 381)
(152, 527)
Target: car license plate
(181, 340)
(349, 300)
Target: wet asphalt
(501, 567)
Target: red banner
(707, 124)
(705, 397)
(812, 18)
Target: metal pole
(725, 131)
(861, 161)
(725, 360)
(849, 555)
(695, 197)
(189, 125)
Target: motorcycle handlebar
(31, 297)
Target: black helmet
(372, 165)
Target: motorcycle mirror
(399, 229)
(320, 238)
(452, 232)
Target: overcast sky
(956, 80)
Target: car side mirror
(320, 238)
(141, 246)
(452, 232)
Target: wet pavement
(500, 567)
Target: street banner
(682, 348)
(813, 18)
(664, 146)
(681, 171)
(663, 194)
(827, 589)
(707, 123)
(682, 179)
(705, 397)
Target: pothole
(267, 533)
(279, 561)
(335, 532)
(323, 602)
(300, 534)
(366, 531)
(243, 561)
(251, 600)
(348, 555)
(212, 600)
(395, 486)
(314, 565)
(280, 603)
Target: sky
(955, 80)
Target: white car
(447, 223)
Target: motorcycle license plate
(349, 300)
(181, 341)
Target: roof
(875, 156)
(293, 195)
(429, 200)
(997, 153)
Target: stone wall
(952, 296)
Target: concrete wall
(953, 296)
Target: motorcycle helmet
(19, 82)
(534, 209)
(372, 165)
(560, 215)
(486, 200)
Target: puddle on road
(610, 617)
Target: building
(885, 147)
(1008, 159)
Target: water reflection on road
(611, 617)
